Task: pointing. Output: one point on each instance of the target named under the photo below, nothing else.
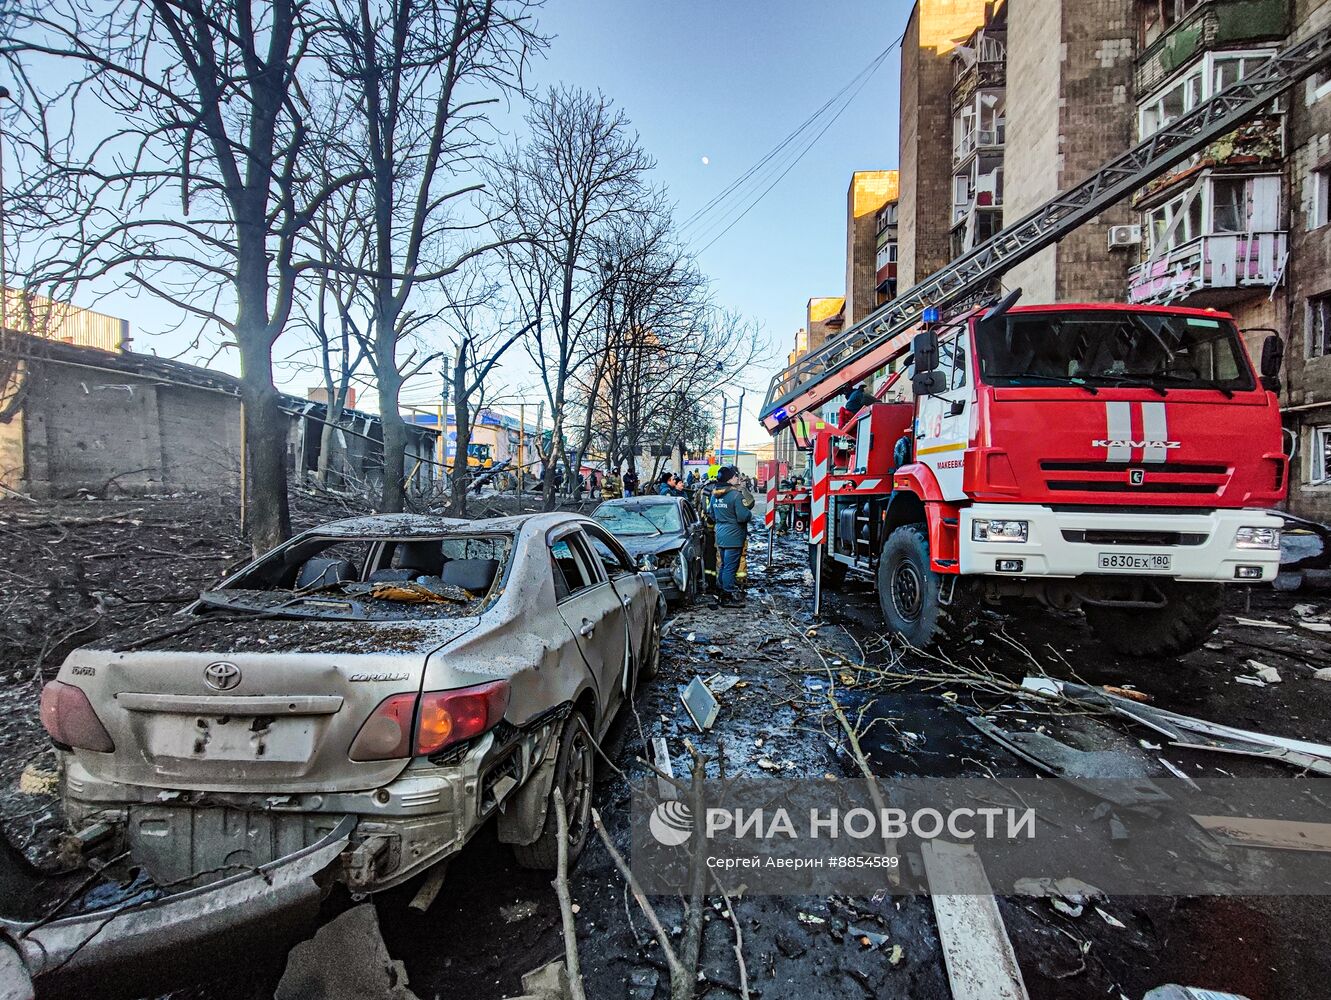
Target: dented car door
(591, 608)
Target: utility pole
(721, 449)
(739, 414)
(446, 376)
(4, 266)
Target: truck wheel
(908, 589)
(1190, 615)
(834, 573)
(574, 773)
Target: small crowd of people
(724, 503)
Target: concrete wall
(869, 191)
(1070, 107)
(1308, 380)
(1097, 121)
(84, 427)
(934, 30)
(1032, 156)
(823, 319)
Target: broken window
(1229, 205)
(614, 561)
(1319, 461)
(1319, 84)
(572, 574)
(1175, 223)
(1212, 73)
(1319, 201)
(1319, 326)
(370, 578)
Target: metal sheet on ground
(1273, 834)
(981, 964)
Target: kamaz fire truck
(1114, 458)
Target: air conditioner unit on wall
(1124, 236)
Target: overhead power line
(733, 203)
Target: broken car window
(639, 519)
(570, 575)
(373, 579)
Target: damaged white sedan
(413, 675)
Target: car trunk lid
(253, 704)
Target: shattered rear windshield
(372, 579)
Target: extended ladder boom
(823, 374)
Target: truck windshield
(1157, 350)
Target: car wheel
(575, 767)
(686, 590)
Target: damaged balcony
(977, 203)
(979, 127)
(1211, 270)
(1174, 32)
(1220, 241)
(980, 64)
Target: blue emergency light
(779, 413)
(932, 314)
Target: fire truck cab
(1105, 457)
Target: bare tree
(422, 76)
(171, 137)
(482, 335)
(580, 172)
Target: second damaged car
(404, 677)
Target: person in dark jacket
(630, 483)
(731, 510)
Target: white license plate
(1136, 562)
(230, 738)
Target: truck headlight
(1257, 538)
(985, 530)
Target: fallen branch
(677, 973)
(574, 968)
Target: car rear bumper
(1056, 544)
(398, 829)
(70, 954)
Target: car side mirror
(924, 347)
(929, 383)
(1273, 356)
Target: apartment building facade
(1042, 92)
(1243, 225)
(868, 198)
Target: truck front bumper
(1072, 543)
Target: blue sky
(721, 79)
(728, 79)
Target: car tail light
(68, 716)
(448, 717)
(386, 734)
(407, 725)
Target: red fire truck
(1109, 457)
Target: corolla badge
(221, 676)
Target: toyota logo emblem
(221, 676)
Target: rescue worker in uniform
(702, 500)
(612, 488)
(731, 506)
